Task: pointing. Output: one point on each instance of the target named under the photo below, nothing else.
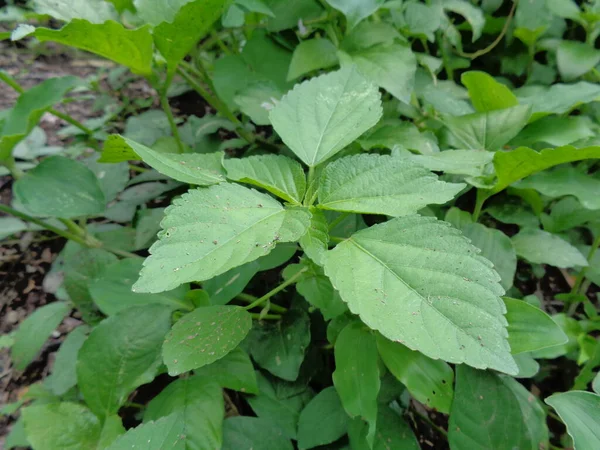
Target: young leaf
(243, 432)
(120, 354)
(312, 54)
(381, 184)
(198, 405)
(233, 371)
(34, 331)
(419, 281)
(278, 174)
(429, 381)
(165, 433)
(60, 187)
(323, 420)
(581, 413)
(194, 168)
(486, 93)
(204, 336)
(392, 433)
(61, 425)
(64, 375)
(318, 118)
(541, 247)
(574, 59)
(208, 231)
(474, 419)
(316, 239)
(530, 328)
(356, 10)
(356, 375)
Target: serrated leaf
(356, 10)
(278, 174)
(488, 130)
(381, 184)
(418, 281)
(34, 331)
(318, 118)
(315, 242)
(204, 336)
(429, 381)
(541, 247)
(530, 328)
(164, 434)
(356, 375)
(64, 375)
(323, 420)
(120, 354)
(208, 231)
(198, 404)
(233, 371)
(252, 433)
(474, 419)
(65, 426)
(194, 168)
(312, 54)
(486, 93)
(581, 413)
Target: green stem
(138, 168)
(431, 423)
(309, 183)
(164, 103)
(274, 291)
(257, 316)
(247, 298)
(71, 120)
(334, 223)
(11, 82)
(336, 239)
(12, 168)
(582, 272)
(480, 199)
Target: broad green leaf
(367, 34)
(281, 254)
(381, 184)
(257, 99)
(418, 281)
(113, 179)
(198, 405)
(208, 231)
(111, 430)
(280, 347)
(120, 354)
(34, 331)
(516, 213)
(476, 421)
(422, 20)
(287, 14)
(356, 375)
(94, 11)
(148, 224)
(581, 413)
(131, 48)
(495, 246)
(530, 328)
(148, 127)
(223, 288)
(521, 162)
(392, 433)
(60, 187)
(11, 225)
(568, 213)
(558, 98)
(111, 289)
(528, 367)
(564, 181)
(310, 55)
(175, 39)
(488, 130)
(65, 426)
(278, 174)
(555, 130)
(233, 371)
(572, 328)
(28, 110)
(429, 381)
(204, 336)
(356, 10)
(541, 247)
(471, 13)
(393, 133)
(252, 433)
(320, 117)
(165, 433)
(574, 59)
(17, 437)
(323, 420)
(155, 12)
(391, 67)
(316, 239)
(457, 162)
(194, 168)
(64, 375)
(486, 93)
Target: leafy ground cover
(337, 224)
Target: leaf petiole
(274, 291)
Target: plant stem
(257, 316)
(247, 298)
(274, 291)
(480, 199)
(11, 82)
(164, 103)
(12, 168)
(431, 423)
(582, 272)
(138, 168)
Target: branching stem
(274, 291)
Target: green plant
(316, 266)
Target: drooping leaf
(310, 55)
(475, 422)
(429, 381)
(233, 371)
(323, 420)
(356, 10)
(392, 433)
(164, 433)
(64, 375)
(581, 412)
(356, 375)
(198, 404)
(278, 174)
(316, 239)
(120, 354)
(540, 247)
(381, 184)
(318, 118)
(34, 331)
(204, 336)
(471, 13)
(574, 59)
(208, 231)
(194, 168)
(223, 288)
(486, 93)
(419, 281)
(252, 433)
(530, 328)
